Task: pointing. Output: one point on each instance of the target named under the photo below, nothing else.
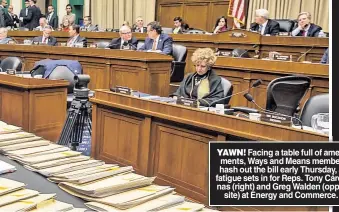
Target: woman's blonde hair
(204, 54)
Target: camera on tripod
(80, 86)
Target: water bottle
(321, 34)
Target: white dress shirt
(263, 28)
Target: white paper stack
(58, 162)
(7, 186)
(108, 186)
(16, 196)
(13, 136)
(27, 204)
(152, 205)
(185, 206)
(49, 157)
(13, 147)
(9, 129)
(35, 151)
(6, 167)
(85, 178)
(18, 141)
(52, 205)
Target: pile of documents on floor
(107, 187)
(15, 197)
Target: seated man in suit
(74, 34)
(157, 41)
(325, 59)
(46, 37)
(139, 25)
(126, 41)
(88, 26)
(263, 24)
(305, 28)
(42, 24)
(3, 36)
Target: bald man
(126, 40)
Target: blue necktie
(260, 28)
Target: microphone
(255, 84)
(304, 53)
(249, 98)
(254, 46)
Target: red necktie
(304, 33)
(44, 41)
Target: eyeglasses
(126, 33)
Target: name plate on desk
(238, 35)
(225, 53)
(188, 102)
(282, 57)
(123, 90)
(284, 34)
(276, 119)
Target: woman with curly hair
(204, 84)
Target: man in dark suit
(12, 19)
(305, 28)
(139, 25)
(25, 15)
(36, 15)
(88, 26)
(156, 41)
(46, 37)
(52, 18)
(74, 34)
(325, 58)
(126, 41)
(263, 24)
(3, 5)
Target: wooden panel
(183, 148)
(12, 107)
(47, 120)
(219, 9)
(124, 77)
(167, 12)
(99, 75)
(190, 15)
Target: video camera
(80, 86)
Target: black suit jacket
(51, 40)
(79, 39)
(23, 14)
(116, 43)
(134, 29)
(54, 21)
(271, 28)
(36, 15)
(11, 21)
(313, 31)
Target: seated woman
(64, 27)
(220, 25)
(179, 26)
(204, 84)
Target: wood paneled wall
(201, 14)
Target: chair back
(314, 105)
(102, 44)
(285, 93)
(167, 30)
(140, 43)
(178, 65)
(195, 31)
(63, 72)
(286, 25)
(228, 89)
(11, 63)
(23, 29)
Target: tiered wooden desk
(294, 46)
(171, 141)
(36, 105)
(142, 71)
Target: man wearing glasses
(126, 41)
(157, 41)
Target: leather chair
(228, 89)
(283, 95)
(240, 53)
(178, 65)
(102, 44)
(167, 30)
(314, 105)
(286, 25)
(62, 72)
(11, 63)
(140, 43)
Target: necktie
(260, 28)
(154, 47)
(44, 40)
(304, 33)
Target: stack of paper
(53, 163)
(52, 205)
(9, 129)
(16, 196)
(185, 206)
(13, 147)
(13, 136)
(7, 186)
(35, 151)
(6, 167)
(48, 157)
(152, 205)
(20, 140)
(85, 178)
(27, 204)
(108, 186)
